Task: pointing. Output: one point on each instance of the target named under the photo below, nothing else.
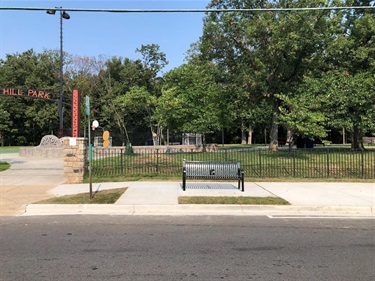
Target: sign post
(90, 145)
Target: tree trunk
(243, 137)
(250, 138)
(290, 138)
(265, 136)
(204, 143)
(123, 132)
(160, 135)
(274, 134)
(153, 135)
(243, 133)
(356, 138)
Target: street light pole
(63, 15)
(61, 124)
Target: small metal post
(243, 180)
(260, 163)
(157, 160)
(328, 172)
(294, 163)
(121, 168)
(363, 163)
(90, 158)
(183, 178)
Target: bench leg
(184, 180)
(243, 180)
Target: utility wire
(185, 10)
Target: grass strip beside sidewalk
(4, 166)
(109, 196)
(232, 200)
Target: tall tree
(347, 101)
(82, 73)
(122, 78)
(271, 50)
(30, 119)
(349, 69)
(192, 102)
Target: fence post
(121, 167)
(294, 163)
(363, 163)
(328, 174)
(260, 162)
(157, 160)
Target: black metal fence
(297, 163)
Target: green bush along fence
(295, 163)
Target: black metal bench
(213, 170)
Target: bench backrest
(369, 140)
(211, 169)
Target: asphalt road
(186, 248)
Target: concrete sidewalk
(161, 198)
(30, 180)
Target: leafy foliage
(191, 101)
(266, 53)
(25, 121)
(305, 72)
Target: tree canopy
(259, 76)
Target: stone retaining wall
(50, 147)
(41, 152)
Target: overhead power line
(185, 10)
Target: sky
(107, 34)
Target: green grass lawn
(232, 200)
(4, 166)
(109, 196)
(9, 149)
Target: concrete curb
(192, 210)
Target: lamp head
(51, 12)
(65, 15)
(95, 124)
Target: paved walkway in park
(30, 180)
